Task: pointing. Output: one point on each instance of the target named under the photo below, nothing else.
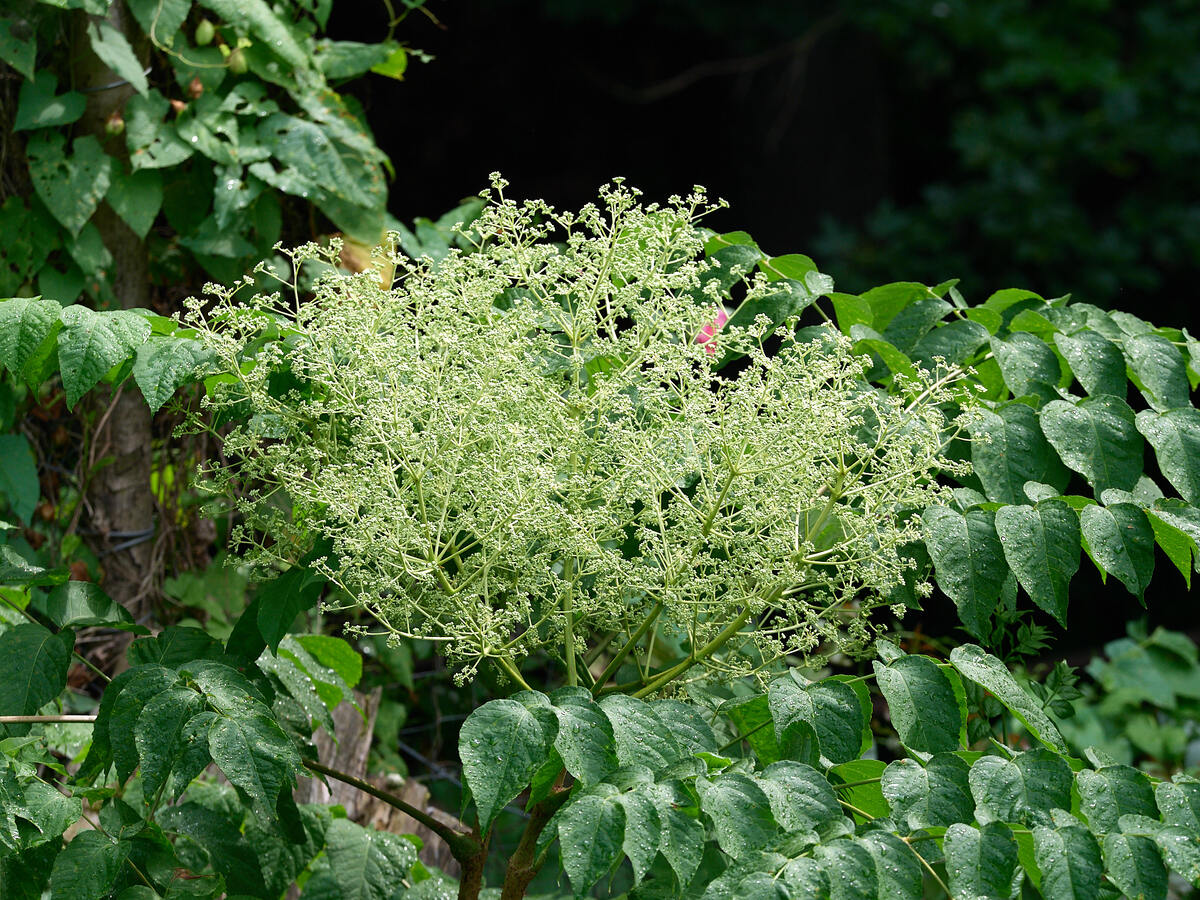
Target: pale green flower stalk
(525, 447)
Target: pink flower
(709, 331)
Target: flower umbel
(527, 445)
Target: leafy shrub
(729, 787)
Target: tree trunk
(120, 499)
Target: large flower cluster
(525, 445)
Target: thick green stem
(462, 845)
(512, 671)
(663, 678)
(615, 663)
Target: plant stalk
(524, 863)
(463, 846)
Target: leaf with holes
(70, 186)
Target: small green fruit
(205, 33)
(114, 124)
(237, 62)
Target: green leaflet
(1097, 438)
(152, 141)
(501, 745)
(1175, 437)
(1008, 448)
(642, 738)
(1120, 541)
(914, 322)
(18, 475)
(801, 798)
(146, 683)
(968, 560)
(585, 738)
(1041, 545)
(91, 343)
(1135, 866)
(70, 186)
(897, 871)
(937, 794)
(988, 672)
(39, 107)
(255, 755)
(27, 325)
(833, 710)
(1096, 362)
(740, 811)
(1023, 789)
(980, 862)
(136, 198)
(591, 831)
(79, 604)
(1069, 860)
(163, 364)
(157, 736)
(1160, 368)
(114, 51)
(33, 669)
(364, 864)
(1179, 802)
(850, 868)
(87, 867)
(1108, 793)
(924, 707)
(956, 342)
(643, 831)
(1028, 364)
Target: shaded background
(1050, 146)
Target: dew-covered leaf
(740, 812)
(1135, 866)
(968, 560)
(91, 343)
(585, 739)
(33, 667)
(976, 664)
(922, 702)
(1041, 545)
(591, 832)
(980, 862)
(850, 868)
(937, 794)
(1175, 437)
(1008, 448)
(255, 755)
(88, 867)
(1096, 362)
(1121, 541)
(1023, 789)
(1160, 367)
(800, 796)
(1096, 437)
(1069, 860)
(501, 745)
